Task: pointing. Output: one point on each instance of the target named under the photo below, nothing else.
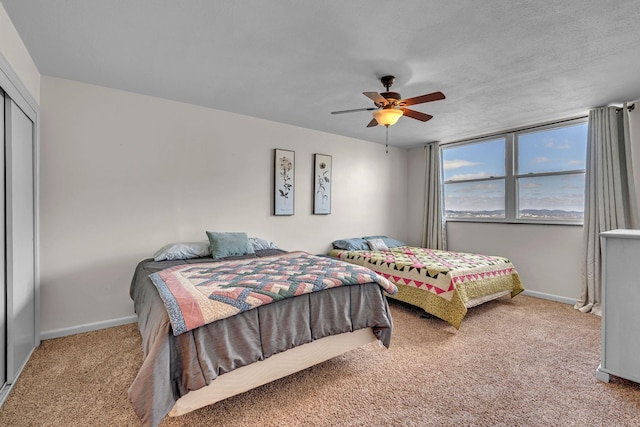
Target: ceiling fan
(389, 106)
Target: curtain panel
(610, 197)
(433, 231)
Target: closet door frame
(20, 238)
(4, 357)
(17, 91)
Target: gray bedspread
(174, 365)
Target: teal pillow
(354, 244)
(229, 244)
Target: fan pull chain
(386, 144)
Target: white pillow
(185, 250)
(261, 244)
(377, 245)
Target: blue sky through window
(551, 150)
(480, 160)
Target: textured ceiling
(501, 64)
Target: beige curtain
(610, 197)
(433, 232)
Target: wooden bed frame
(275, 367)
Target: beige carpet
(520, 362)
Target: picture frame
(284, 182)
(322, 183)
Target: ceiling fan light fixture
(387, 116)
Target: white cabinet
(620, 305)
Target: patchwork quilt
(197, 294)
(447, 280)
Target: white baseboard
(58, 333)
(549, 297)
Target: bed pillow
(259, 244)
(391, 243)
(225, 244)
(377, 245)
(355, 244)
(185, 250)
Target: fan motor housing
(391, 96)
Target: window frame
(511, 188)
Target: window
(474, 176)
(532, 175)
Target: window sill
(516, 221)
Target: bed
(208, 363)
(443, 283)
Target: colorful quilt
(197, 294)
(440, 282)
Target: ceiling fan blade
(435, 96)
(375, 97)
(372, 123)
(416, 114)
(351, 111)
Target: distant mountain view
(525, 213)
(551, 214)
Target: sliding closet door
(3, 285)
(19, 238)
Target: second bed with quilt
(443, 283)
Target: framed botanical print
(284, 182)
(322, 184)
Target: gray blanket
(174, 365)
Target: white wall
(123, 174)
(15, 53)
(547, 257)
